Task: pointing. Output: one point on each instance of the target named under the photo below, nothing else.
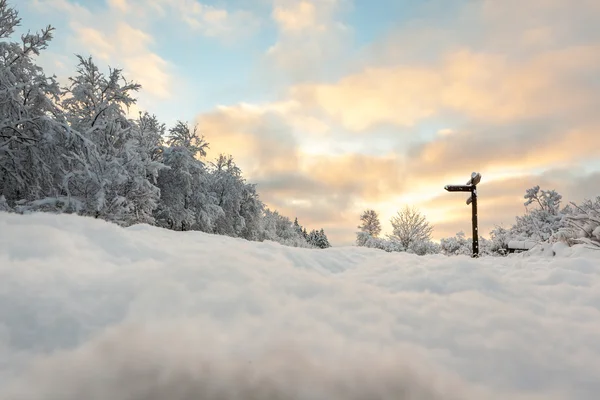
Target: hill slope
(91, 310)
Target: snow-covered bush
(425, 247)
(583, 225)
(540, 223)
(498, 243)
(457, 245)
(363, 239)
(421, 248)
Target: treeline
(545, 221)
(74, 150)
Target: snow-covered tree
(543, 221)
(33, 132)
(297, 226)
(76, 150)
(318, 239)
(233, 194)
(410, 226)
(186, 202)
(182, 136)
(251, 210)
(278, 228)
(583, 225)
(176, 209)
(149, 134)
(114, 179)
(370, 223)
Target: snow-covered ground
(89, 310)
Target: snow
(92, 310)
(522, 244)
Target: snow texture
(92, 310)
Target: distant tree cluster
(314, 238)
(411, 232)
(74, 150)
(544, 221)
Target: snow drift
(91, 310)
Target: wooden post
(474, 222)
(471, 187)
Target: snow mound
(92, 310)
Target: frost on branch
(542, 222)
(583, 226)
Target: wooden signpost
(471, 186)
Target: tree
(542, 222)
(227, 187)
(297, 226)
(182, 136)
(33, 132)
(188, 201)
(583, 226)
(180, 185)
(75, 149)
(280, 229)
(370, 223)
(114, 177)
(320, 239)
(410, 226)
(548, 200)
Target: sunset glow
(335, 106)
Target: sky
(335, 106)
(92, 310)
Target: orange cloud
(489, 87)
(260, 142)
(331, 191)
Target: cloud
(310, 36)
(262, 142)
(429, 101)
(115, 41)
(127, 47)
(482, 86)
(330, 191)
(320, 189)
(212, 21)
(514, 98)
(121, 5)
(201, 17)
(515, 148)
(300, 16)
